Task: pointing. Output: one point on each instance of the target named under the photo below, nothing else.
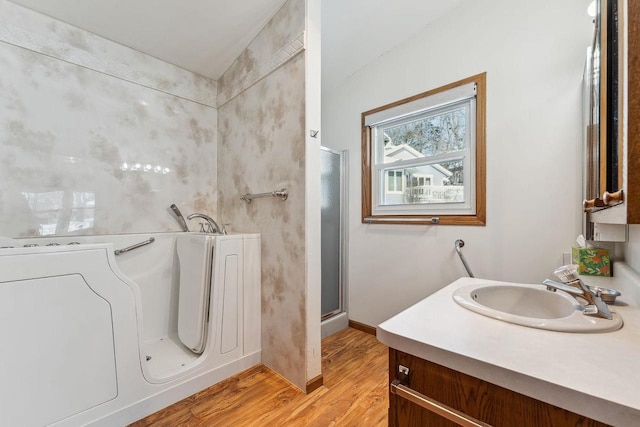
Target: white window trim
(378, 169)
(420, 105)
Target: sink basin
(532, 306)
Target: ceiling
(203, 36)
(356, 32)
(206, 36)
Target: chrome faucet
(212, 226)
(573, 285)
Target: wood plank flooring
(355, 393)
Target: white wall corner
(312, 186)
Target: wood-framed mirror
(612, 117)
(603, 144)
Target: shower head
(179, 217)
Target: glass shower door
(332, 249)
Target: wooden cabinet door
(476, 398)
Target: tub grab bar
(434, 406)
(282, 194)
(460, 244)
(135, 246)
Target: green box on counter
(591, 261)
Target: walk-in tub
(94, 338)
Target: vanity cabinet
(485, 402)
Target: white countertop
(596, 375)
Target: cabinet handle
(434, 406)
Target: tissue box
(591, 261)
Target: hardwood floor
(355, 393)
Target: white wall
(533, 53)
(313, 110)
(632, 248)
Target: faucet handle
(202, 229)
(223, 229)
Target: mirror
(611, 182)
(604, 172)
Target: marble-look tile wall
(279, 41)
(96, 138)
(261, 146)
(40, 33)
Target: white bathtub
(90, 338)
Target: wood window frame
(479, 217)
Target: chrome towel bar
(434, 406)
(136, 246)
(281, 194)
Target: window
(394, 182)
(424, 157)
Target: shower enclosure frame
(343, 232)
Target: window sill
(425, 220)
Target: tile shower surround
(96, 138)
(281, 39)
(102, 109)
(261, 145)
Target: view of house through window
(394, 183)
(427, 156)
(436, 134)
